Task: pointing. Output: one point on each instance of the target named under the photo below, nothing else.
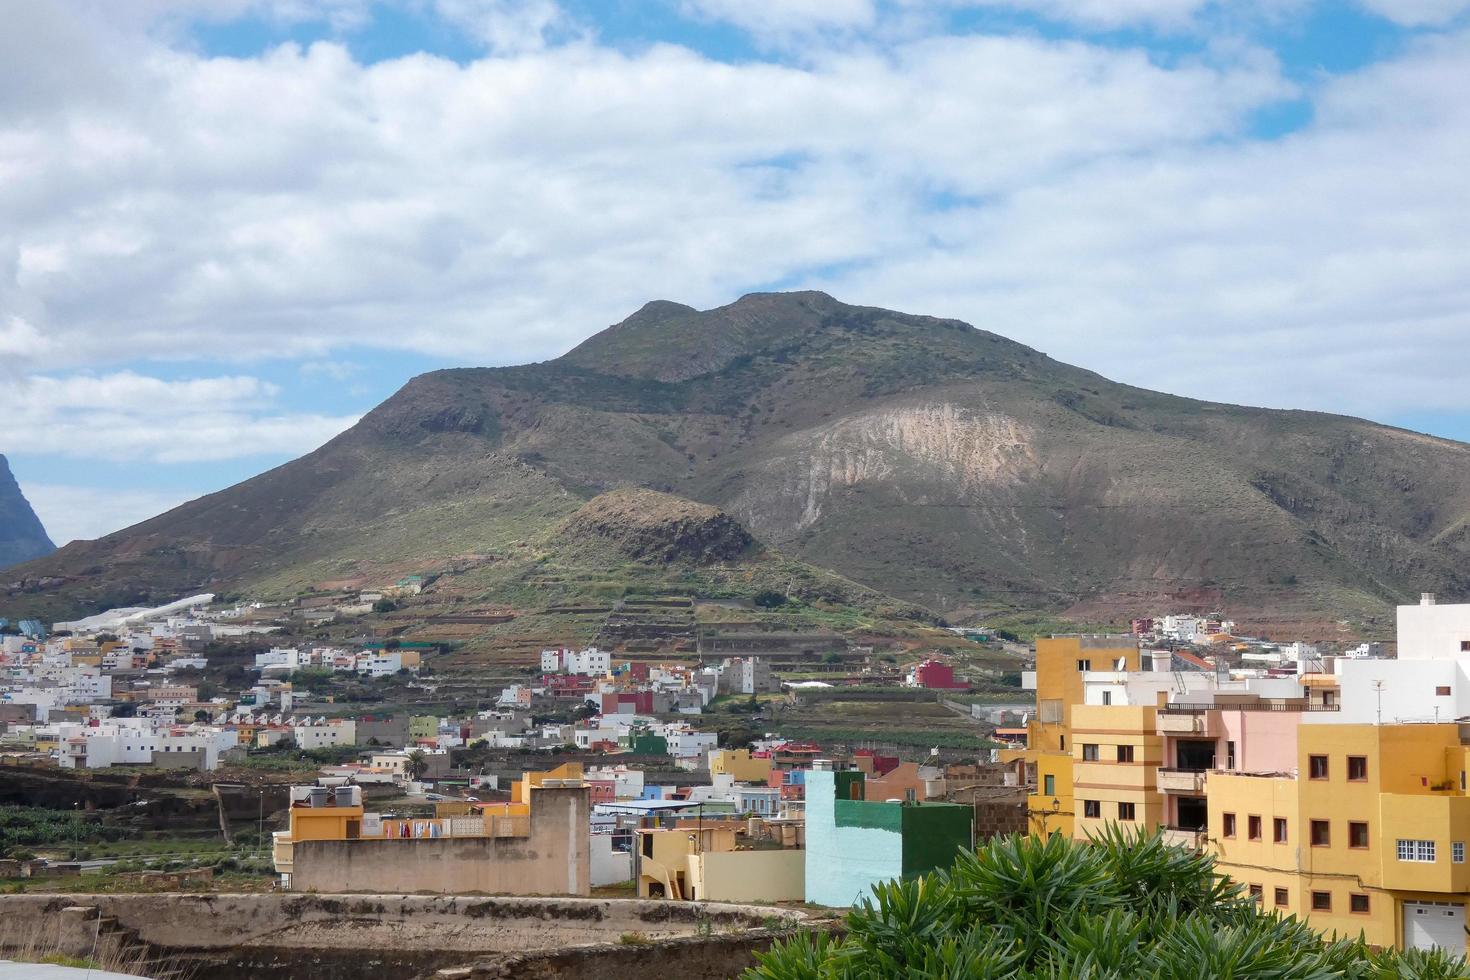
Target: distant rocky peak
(21, 535)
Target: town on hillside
(198, 745)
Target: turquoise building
(852, 844)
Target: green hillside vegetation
(929, 461)
(1124, 907)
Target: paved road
(45, 971)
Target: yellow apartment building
(740, 764)
(1061, 663)
(1367, 836)
(1116, 756)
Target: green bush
(1123, 906)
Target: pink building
(934, 675)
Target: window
(1321, 833)
(1442, 691)
(1278, 830)
(1465, 645)
(1083, 666)
(1107, 697)
(1125, 811)
(1321, 901)
(1358, 903)
(1092, 809)
(1415, 850)
(1282, 898)
(1258, 894)
(1317, 766)
(1457, 852)
(1089, 753)
(1357, 834)
(1357, 768)
(1229, 755)
(1228, 825)
(1049, 785)
(1125, 753)
(1253, 827)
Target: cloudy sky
(230, 227)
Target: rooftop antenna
(1378, 691)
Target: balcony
(1197, 722)
(1189, 837)
(283, 851)
(1190, 782)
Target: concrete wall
(1408, 692)
(317, 923)
(749, 876)
(1433, 632)
(841, 867)
(609, 867)
(554, 860)
(1265, 741)
(689, 958)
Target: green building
(852, 843)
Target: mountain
(922, 457)
(21, 535)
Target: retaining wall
(341, 937)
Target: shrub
(1125, 905)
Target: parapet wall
(290, 932)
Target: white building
(325, 735)
(591, 662)
(278, 658)
(1430, 631)
(380, 663)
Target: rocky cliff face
(923, 457)
(21, 535)
(647, 526)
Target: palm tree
(418, 764)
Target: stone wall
(688, 958)
(326, 937)
(554, 860)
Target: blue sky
(230, 227)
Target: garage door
(1428, 925)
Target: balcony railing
(1188, 723)
(1187, 708)
(1184, 836)
(1191, 781)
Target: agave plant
(1124, 906)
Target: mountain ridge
(928, 459)
(22, 536)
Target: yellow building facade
(1116, 756)
(1367, 836)
(1061, 664)
(740, 764)
(1358, 828)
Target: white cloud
(1418, 13)
(126, 416)
(82, 513)
(1107, 14)
(509, 26)
(21, 342)
(1327, 271)
(155, 203)
(295, 203)
(783, 18)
